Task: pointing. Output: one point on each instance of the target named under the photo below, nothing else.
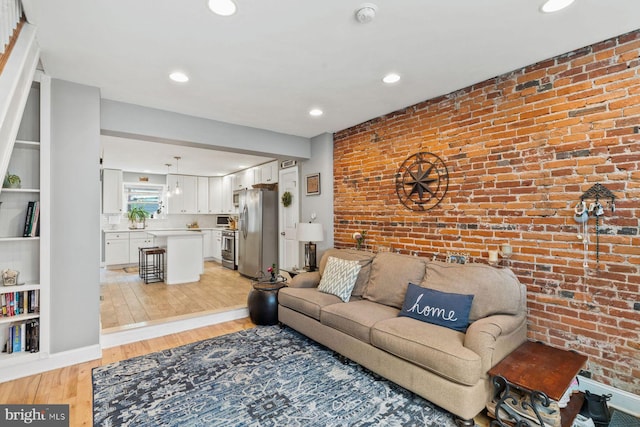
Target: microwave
(222, 221)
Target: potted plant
(12, 181)
(137, 215)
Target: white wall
(75, 216)
(321, 161)
(134, 121)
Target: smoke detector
(366, 13)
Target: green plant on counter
(137, 215)
(286, 199)
(12, 181)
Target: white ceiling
(271, 62)
(151, 157)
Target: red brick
(517, 167)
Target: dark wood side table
(263, 300)
(541, 373)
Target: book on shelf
(20, 302)
(32, 220)
(23, 337)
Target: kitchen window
(149, 197)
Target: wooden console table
(541, 372)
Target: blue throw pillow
(439, 308)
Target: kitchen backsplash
(116, 222)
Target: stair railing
(11, 20)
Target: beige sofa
(445, 366)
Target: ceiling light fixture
(551, 6)
(391, 78)
(222, 7)
(366, 13)
(179, 77)
(168, 193)
(177, 190)
(316, 112)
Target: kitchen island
(184, 256)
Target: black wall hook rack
(597, 192)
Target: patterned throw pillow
(339, 277)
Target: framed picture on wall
(313, 184)
(458, 257)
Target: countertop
(149, 230)
(169, 233)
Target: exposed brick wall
(520, 150)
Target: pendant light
(168, 192)
(177, 190)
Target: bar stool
(142, 260)
(152, 264)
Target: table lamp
(309, 232)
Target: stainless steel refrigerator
(258, 231)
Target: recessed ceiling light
(551, 6)
(222, 7)
(179, 77)
(316, 112)
(391, 78)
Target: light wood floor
(72, 385)
(126, 300)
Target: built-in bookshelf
(23, 306)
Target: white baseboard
(169, 327)
(620, 399)
(43, 362)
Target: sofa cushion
(390, 275)
(356, 318)
(364, 258)
(432, 347)
(440, 308)
(339, 277)
(307, 301)
(495, 290)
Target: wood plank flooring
(126, 300)
(72, 385)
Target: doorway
(126, 301)
(289, 216)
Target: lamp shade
(309, 232)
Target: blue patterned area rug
(265, 376)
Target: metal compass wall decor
(422, 181)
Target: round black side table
(263, 301)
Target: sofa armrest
(310, 279)
(494, 337)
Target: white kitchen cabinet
(116, 248)
(207, 244)
(228, 182)
(112, 191)
(187, 201)
(189, 185)
(215, 195)
(269, 173)
(216, 251)
(137, 240)
(238, 181)
(203, 195)
(246, 178)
